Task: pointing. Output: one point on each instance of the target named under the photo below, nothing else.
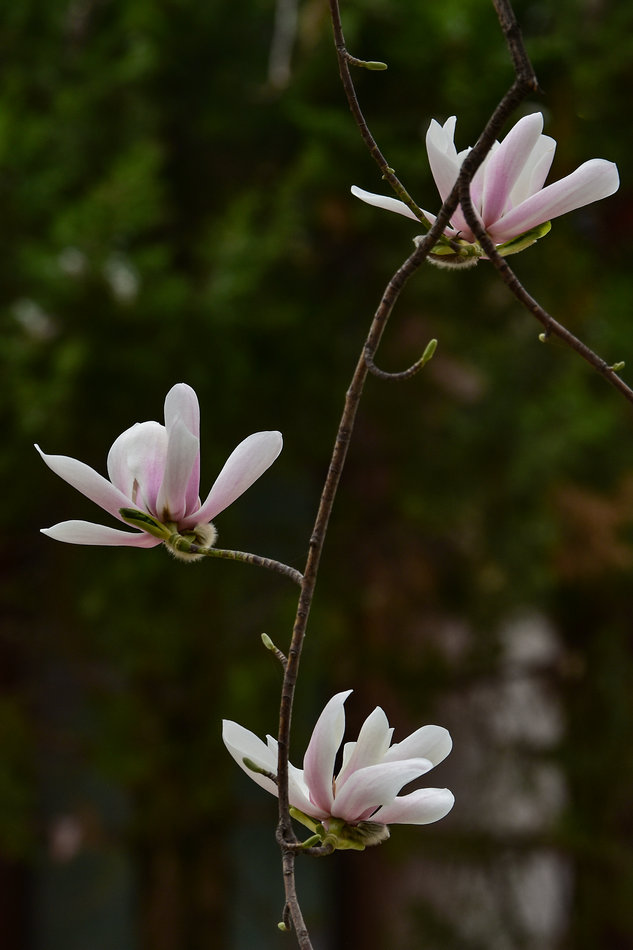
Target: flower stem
(255, 559)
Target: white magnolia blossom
(362, 799)
(507, 190)
(155, 470)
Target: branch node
(371, 64)
(268, 643)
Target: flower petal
(418, 808)
(373, 741)
(181, 402)
(136, 463)
(183, 453)
(376, 785)
(85, 532)
(241, 743)
(534, 173)
(594, 180)
(244, 466)
(428, 742)
(318, 762)
(88, 482)
(443, 158)
(382, 201)
(505, 164)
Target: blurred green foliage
(169, 215)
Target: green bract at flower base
(340, 835)
(443, 255)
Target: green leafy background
(169, 215)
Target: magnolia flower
(507, 189)
(154, 478)
(353, 808)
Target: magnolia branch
(525, 82)
(285, 833)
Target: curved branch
(405, 373)
(552, 326)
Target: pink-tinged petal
(318, 762)
(443, 158)
(373, 741)
(85, 532)
(594, 180)
(382, 201)
(244, 466)
(183, 451)
(477, 181)
(241, 743)
(428, 742)
(533, 176)
(375, 785)
(181, 402)
(88, 482)
(418, 808)
(505, 164)
(136, 463)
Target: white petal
(183, 451)
(428, 742)
(375, 785)
(88, 482)
(181, 403)
(418, 808)
(442, 154)
(593, 181)
(533, 176)
(136, 463)
(318, 762)
(244, 466)
(85, 532)
(242, 743)
(382, 201)
(373, 741)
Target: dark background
(170, 214)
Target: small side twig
(405, 373)
(255, 559)
(552, 326)
(268, 643)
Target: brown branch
(552, 326)
(285, 834)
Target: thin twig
(255, 559)
(552, 326)
(405, 374)
(344, 60)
